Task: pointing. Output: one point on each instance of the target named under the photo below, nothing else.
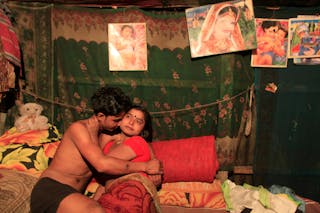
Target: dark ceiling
(178, 3)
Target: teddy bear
(31, 118)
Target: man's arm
(157, 178)
(90, 150)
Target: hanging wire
(37, 97)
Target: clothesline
(152, 113)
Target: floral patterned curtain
(68, 60)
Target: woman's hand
(154, 167)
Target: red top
(138, 145)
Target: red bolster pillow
(187, 160)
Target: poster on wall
(307, 61)
(127, 46)
(272, 43)
(221, 28)
(304, 37)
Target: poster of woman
(221, 28)
(272, 38)
(127, 47)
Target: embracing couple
(85, 151)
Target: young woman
(130, 144)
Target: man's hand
(117, 138)
(154, 167)
(155, 179)
(93, 128)
(93, 125)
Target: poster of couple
(272, 38)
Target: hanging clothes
(10, 55)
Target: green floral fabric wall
(67, 60)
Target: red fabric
(190, 159)
(9, 40)
(127, 197)
(9, 51)
(138, 145)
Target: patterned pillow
(30, 151)
(31, 137)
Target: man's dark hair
(110, 101)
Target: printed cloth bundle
(131, 193)
(193, 194)
(29, 151)
(258, 199)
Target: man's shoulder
(79, 123)
(77, 126)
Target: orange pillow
(193, 194)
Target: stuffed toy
(31, 118)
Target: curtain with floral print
(67, 60)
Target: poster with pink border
(127, 47)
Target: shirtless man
(61, 186)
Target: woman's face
(133, 122)
(224, 26)
(127, 32)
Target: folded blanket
(29, 151)
(193, 195)
(31, 137)
(131, 193)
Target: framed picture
(221, 28)
(304, 37)
(127, 47)
(272, 43)
(307, 61)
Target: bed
(187, 187)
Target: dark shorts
(47, 195)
